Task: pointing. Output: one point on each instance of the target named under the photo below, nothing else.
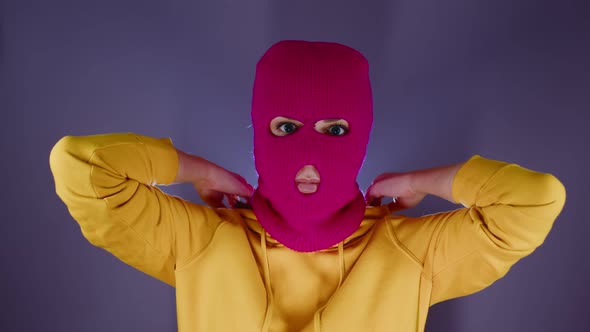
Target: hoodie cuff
(163, 158)
(471, 177)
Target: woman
(307, 251)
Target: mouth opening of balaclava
(309, 82)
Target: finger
(245, 188)
(371, 198)
(232, 200)
(401, 203)
(379, 189)
(249, 191)
(240, 202)
(227, 202)
(374, 201)
(212, 198)
(234, 184)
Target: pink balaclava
(308, 82)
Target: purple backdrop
(505, 79)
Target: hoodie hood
(371, 216)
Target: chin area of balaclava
(309, 82)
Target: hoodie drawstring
(269, 297)
(342, 268)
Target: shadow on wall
(2, 47)
(442, 317)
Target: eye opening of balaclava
(309, 82)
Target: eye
(283, 126)
(332, 127)
(337, 130)
(287, 127)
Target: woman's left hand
(409, 188)
(397, 186)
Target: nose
(307, 179)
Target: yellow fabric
(230, 275)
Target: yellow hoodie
(230, 275)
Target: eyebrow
(285, 118)
(331, 120)
(325, 120)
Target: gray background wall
(505, 79)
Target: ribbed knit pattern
(310, 81)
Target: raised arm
(108, 184)
(509, 210)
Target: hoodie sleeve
(108, 184)
(508, 212)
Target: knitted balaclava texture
(308, 82)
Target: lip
(307, 181)
(307, 188)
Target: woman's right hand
(212, 182)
